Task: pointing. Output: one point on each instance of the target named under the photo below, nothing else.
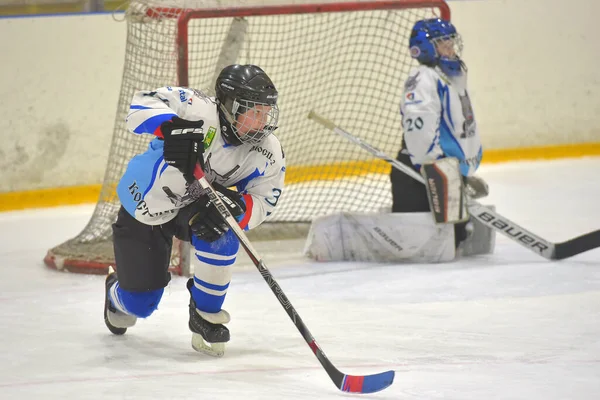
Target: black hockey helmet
(240, 88)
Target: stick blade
(578, 245)
(367, 384)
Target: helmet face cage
(448, 44)
(251, 121)
(247, 102)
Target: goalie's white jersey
(152, 191)
(438, 119)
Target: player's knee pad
(140, 304)
(226, 245)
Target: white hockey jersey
(438, 119)
(152, 191)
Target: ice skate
(116, 321)
(209, 335)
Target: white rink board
(534, 81)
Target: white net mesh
(346, 61)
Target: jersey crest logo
(177, 200)
(411, 83)
(214, 176)
(467, 111)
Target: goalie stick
(347, 383)
(488, 217)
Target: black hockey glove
(205, 221)
(183, 144)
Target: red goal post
(185, 16)
(346, 60)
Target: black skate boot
(462, 232)
(116, 321)
(209, 335)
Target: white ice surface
(511, 325)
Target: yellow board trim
(74, 195)
(42, 198)
(75, 6)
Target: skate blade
(211, 349)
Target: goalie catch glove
(183, 144)
(476, 187)
(205, 221)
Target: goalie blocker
(445, 191)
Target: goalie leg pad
(396, 237)
(445, 190)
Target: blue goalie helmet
(436, 42)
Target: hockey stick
(344, 382)
(488, 217)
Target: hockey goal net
(345, 60)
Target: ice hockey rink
(511, 325)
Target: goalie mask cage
(347, 61)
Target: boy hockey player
(223, 134)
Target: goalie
(441, 141)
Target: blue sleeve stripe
(132, 107)
(479, 157)
(443, 94)
(150, 125)
(432, 146)
(163, 169)
(449, 143)
(156, 164)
